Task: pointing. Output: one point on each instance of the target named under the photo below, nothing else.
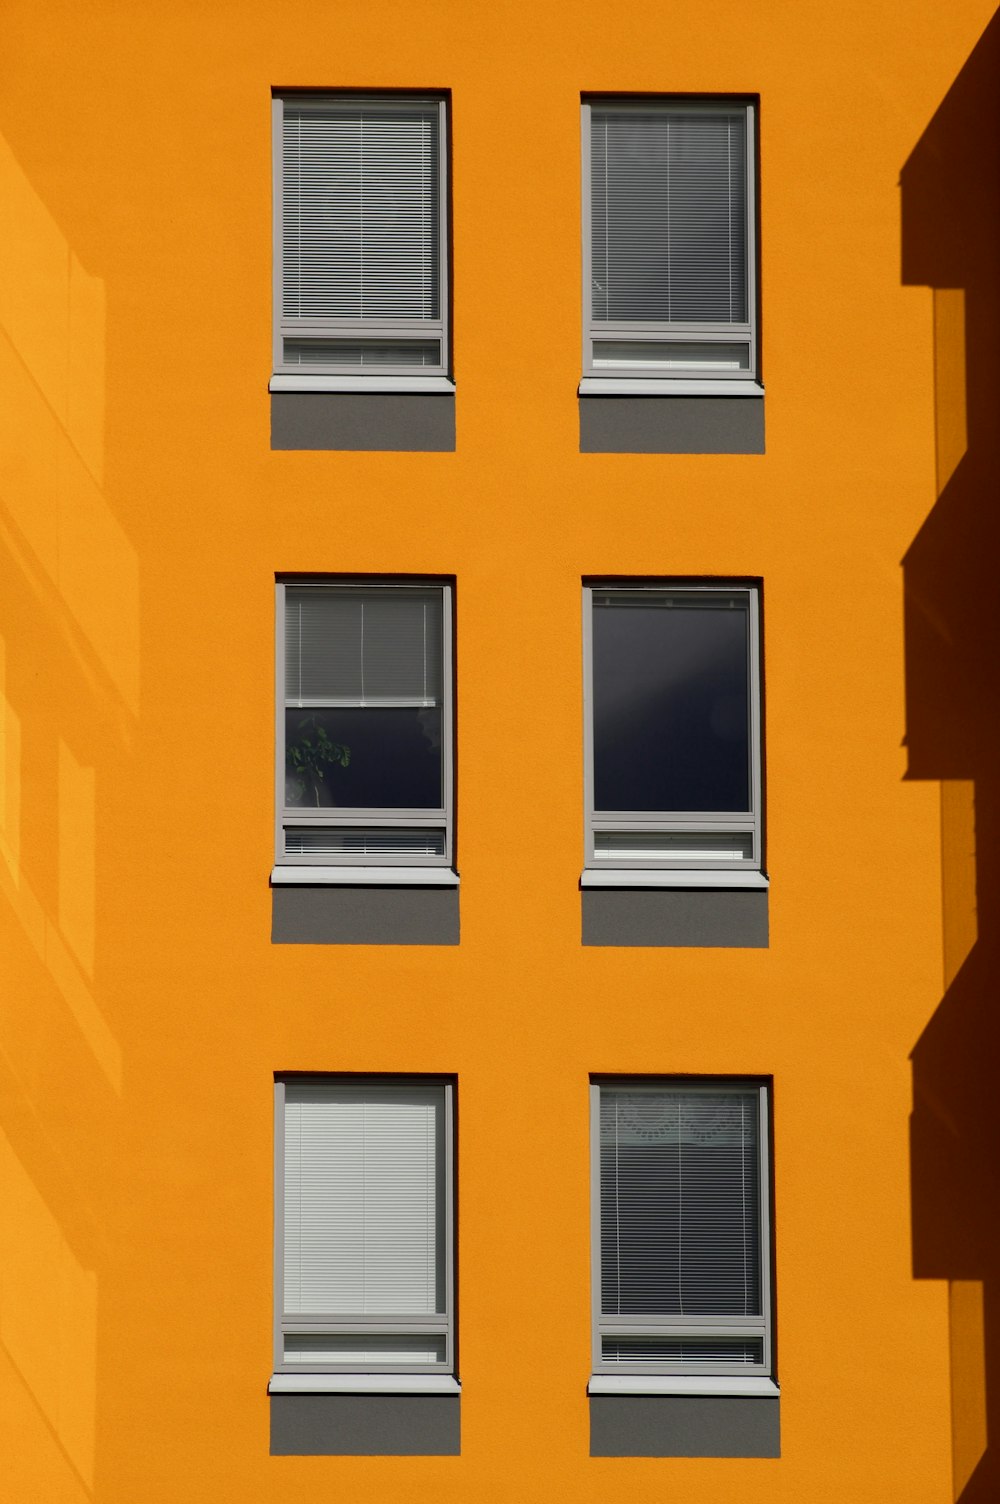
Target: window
(681, 1241)
(364, 728)
(673, 767)
(360, 242)
(363, 1227)
(669, 246)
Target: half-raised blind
(360, 210)
(669, 217)
(358, 647)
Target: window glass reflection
(383, 758)
(671, 701)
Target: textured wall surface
(143, 517)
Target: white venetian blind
(363, 1199)
(680, 1203)
(668, 216)
(347, 646)
(360, 210)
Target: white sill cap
(671, 877)
(363, 1383)
(395, 877)
(679, 1383)
(662, 386)
(283, 382)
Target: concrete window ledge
(676, 916)
(420, 421)
(354, 910)
(699, 1424)
(417, 1424)
(671, 424)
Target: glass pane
(670, 355)
(363, 759)
(310, 1350)
(649, 847)
(362, 354)
(682, 1350)
(671, 701)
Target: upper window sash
(647, 228)
(431, 1330)
(341, 310)
(718, 839)
(705, 1331)
(416, 697)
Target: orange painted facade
(143, 517)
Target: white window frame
(343, 867)
(319, 1376)
(333, 377)
(638, 381)
(705, 871)
(630, 1377)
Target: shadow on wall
(951, 242)
(69, 697)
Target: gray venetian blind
(363, 1199)
(669, 216)
(680, 1203)
(360, 210)
(346, 646)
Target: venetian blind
(360, 210)
(668, 216)
(347, 646)
(363, 1199)
(680, 1203)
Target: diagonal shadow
(951, 243)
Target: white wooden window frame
(682, 1326)
(705, 871)
(599, 380)
(344, 867)
(349, 1323)
(333, 377)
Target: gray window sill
(673, 877)
(713, 1384)
(662, 386)
(394, 877)
(363, 1383)
(284, 382)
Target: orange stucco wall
(142, 520)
